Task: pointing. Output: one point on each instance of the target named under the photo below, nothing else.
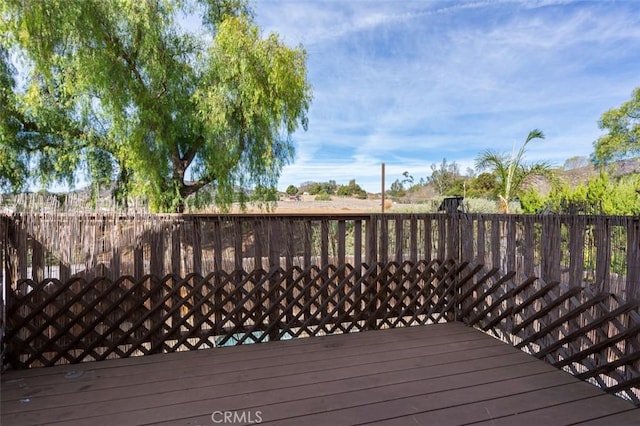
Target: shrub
(291, 190)
(323, 196)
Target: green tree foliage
(12, 162)
(323, 196)
(316, 188)
(291, 190)
(511, 171)
(485, 185)
(265, 194)
(352, 189)
(457, 188)
(121, 90)
(600, 195)
(623, 132)
(532, 202)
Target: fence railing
(592, 335)
(91, 287)
(599, 252)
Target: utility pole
(382, 187)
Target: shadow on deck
(440, 374)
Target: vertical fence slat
(452, 239)
(22, 249)
(257, 243)
(275, 243)
(238, 237)
(551, 239)
(511, 237)
(529, 246)
(577, 227)
(384, 240)
(399, 254)
(603, 253)
(357, 260)
(442, 237)
(357, 244)
(372, 240)
(197, 247)
(466, 235)
(217, 245)
(176, 248)
(342, 235)
(480, 244)
(632, 287)
(427, 238)
(37, 260)
(495, 242)
(308, 238)
(275, 247)
(324, 242)
(413, 238)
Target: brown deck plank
(230, 359)
(631, 417)
(447, 370)
(429, 395)
(225, 384)
(570, 413)
(250, 351)
(510, 405)
(186, 377)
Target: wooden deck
(441, 374)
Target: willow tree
(511, 171)
(122, 91)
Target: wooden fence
(599, 252)
(132, 286)
(592, 335)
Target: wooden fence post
(156, 266)
(275, 244)
(372, 259)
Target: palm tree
(510, 170)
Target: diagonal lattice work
(53, 322)
(595, 336)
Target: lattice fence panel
(54, 322)
(595, 336)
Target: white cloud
(409, 83)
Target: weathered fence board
(598, 251)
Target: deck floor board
(437, 374)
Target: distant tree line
(324, 190)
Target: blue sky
(409, 83)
